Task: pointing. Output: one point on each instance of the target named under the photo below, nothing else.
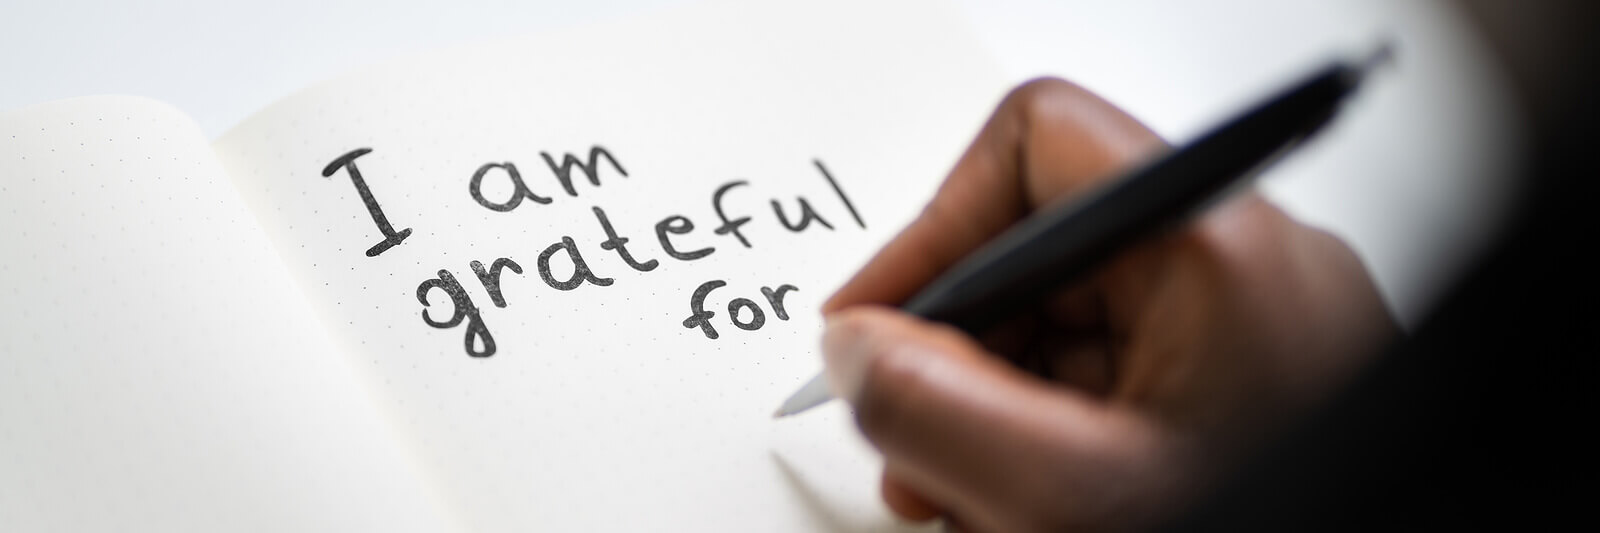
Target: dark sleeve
(1478, 419)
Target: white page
(158, 371)
(599, 409)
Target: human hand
(1168, 361)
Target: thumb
(972, 434)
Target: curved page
(585, 267)
(158, 369)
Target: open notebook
(549, 284)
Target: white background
(1409, 176)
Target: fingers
(967, 432)
(905, 502)
(1047, 139)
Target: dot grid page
(158, 369)
(613, 397)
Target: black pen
(1057, 245)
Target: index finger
(1047, 138)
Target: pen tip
(812, 394)
(786, 409)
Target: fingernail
(846, 354)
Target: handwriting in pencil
(390, 236)
(672, 233)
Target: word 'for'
(669, 232)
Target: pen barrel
(1064, 242)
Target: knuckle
(1030, 99)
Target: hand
(1169, 361)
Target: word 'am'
(671, 232)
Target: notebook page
(561, 388)
(158, 371)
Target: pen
(1058, 244)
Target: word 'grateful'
(674, 236)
